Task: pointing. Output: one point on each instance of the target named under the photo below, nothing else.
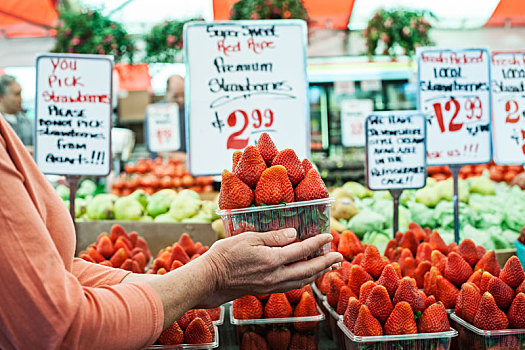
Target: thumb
(278, 238)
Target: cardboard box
(158, 235)
(132, 105)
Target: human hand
(265, 262)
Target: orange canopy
(27, 18)
(510, 12)
(333, 14)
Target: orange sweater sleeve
(95, 275)
(42, 303)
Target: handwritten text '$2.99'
(513, 116)
(258, 120)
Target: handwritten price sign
(508, 104)
(73, 114)
(245, 78)
(454, 94)
(353, 115)
(163, 127)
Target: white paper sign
(396, 150)
(353, 115)
(508, 107)
(163, 127)
(245, 78)
(454, 94)
(73, 114)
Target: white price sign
(163, 129)
(353, 115)
(73, 114)
(508, 107)
(454, 94)
(245, 78)
(395, 150)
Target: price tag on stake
(163, 127)
(508, 106)
(353, 115)
(454, 94)
(244, 78)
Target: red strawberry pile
(294, 303)
(119, 249)
(261, 175)
(194, 327)
(177, 255)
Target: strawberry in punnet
(205, 316)
(295, 295)
(197, 333)
(489, 316)
(312, 187)
(367, 325)
(344, 295)
(401, 320)
(457, 270)
(446, 292)
(389, 279)
(177, 253)
(105, 247)
(512, 272)
(140, 258)
(521, 288)
(187, 244)
(123, 242)
(274, 187)
(396, 267)
(372, 261)
(486, 277)
(501, 292)
(267, 148)
(475, 278)
(434, 319)
(379, 303)
(430, 283)
(349, 245)
(408, 292)
(277, 306)
(467, 249)
(346, 266)
(133, 238)
(409, 241)
(365, 290)
(117, 231)
(172, 335)
(236, 157)
(141, 243)
(250, 166)
(481, 251)
(302, 342)
(467, 303)
(247, 308)
(358, 276)
(489, 263)
(324, 286)
(127, 265)
(439, 260)
(306, 165)
(293, 165)
(279, 337)
(390, 249)
(516, 312)
(135, 268)
(419, 273)
(95, 255)
(253, 341)
(429, 301)
(332, 297)
(408, 266)
(119, 257)
(351, 313)
(424, 252)
(86, 257)
(234, 193)
(421, 235)
(185, 320)
(214, 313)
(305, 308)
(437, 243)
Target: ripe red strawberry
(278, 337)
(429, 301)
(437, 243)
(351, 313)
(409, 241)
(346, 266)
(236, 157)
(379, 303)
(421, 235)
(88, 258)
(263, 297)
(486, 277)
(197, 333)
(332, 297)
(358, 276)
(187, 244)
(306, 165)
(205, 316)
(175, 265)
(140, 258)
(408, 266)
(247, 308)
(344, 295)
(116, 231)
(365, 290)
(424, 252)
(305, 308)
(457, 270)
(311, 187)
(234, 193)
(95, 255)
(475, 278)
(177, 253)
(467, 249)
(302, 342)
(133, 238)
(105, 247)
(452, 247)
(439, 260)
(467, 303)
(266, 148)
(135, 268)
(389, 279)
(419, 273)
(349, 245)
(434, 319)
(481, 251)
(372, 261)
(397, 269)
(295, 295)
(366, 324)
(141, 243)
(446, 292)
(512, 272)
(409, 293)
(274, 187)
(172, 335)
(123, 242)
(250, 166)
(253, 341)
(293, 165)
(161, 271)
(521, 288)
(390, 249)
(277, 306)
(324, 286)
(516, 312)
(489, 316)
(215, 313)
(401, 320)
(119, 257)
(501, 292)
(127, 265)
(489, 263)
(185, 320)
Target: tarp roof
(27, 18)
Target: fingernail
(290, 232)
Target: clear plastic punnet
(420, 341)
(471, 337)
(212, 345)
(309, 218)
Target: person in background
(11, 109)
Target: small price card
(353, 115)
(163, 127)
